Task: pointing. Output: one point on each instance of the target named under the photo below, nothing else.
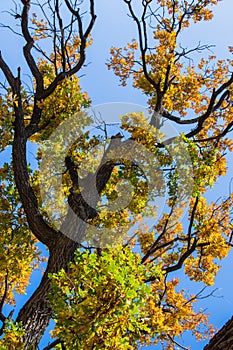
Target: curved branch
(142, 33)
(219, 136)
(39, 227)
(57, 10)
(8, 74)
(29, 44)
(178, 120)
(37, 224)
(182, 259)
(213, 105)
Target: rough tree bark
(223, 339)
(36, 313)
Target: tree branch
(212, 106)
(8, 74)
(142, 34)
(54, 343)
(29, 45)
(2, 317)
(192, 221)
(182, 259)
(63, 54)
(27, 196)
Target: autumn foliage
(123, 295)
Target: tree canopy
(109, 281)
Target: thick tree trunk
(36, 313)
(223, 339)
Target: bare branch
(153, 248)
(11, 29)
(83, 38)
(142, 34)
(27, 48)
(176, 343)
(63, 54)
(8, 74)
(191, 221)
(178, 120)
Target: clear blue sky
(115, 28)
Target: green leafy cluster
(13, 333)
(99, 303)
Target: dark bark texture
(36, 313)
(223, 339)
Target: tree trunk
(36, 313)
(223, 339)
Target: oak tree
(104, 295)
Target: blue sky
(115, 28)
